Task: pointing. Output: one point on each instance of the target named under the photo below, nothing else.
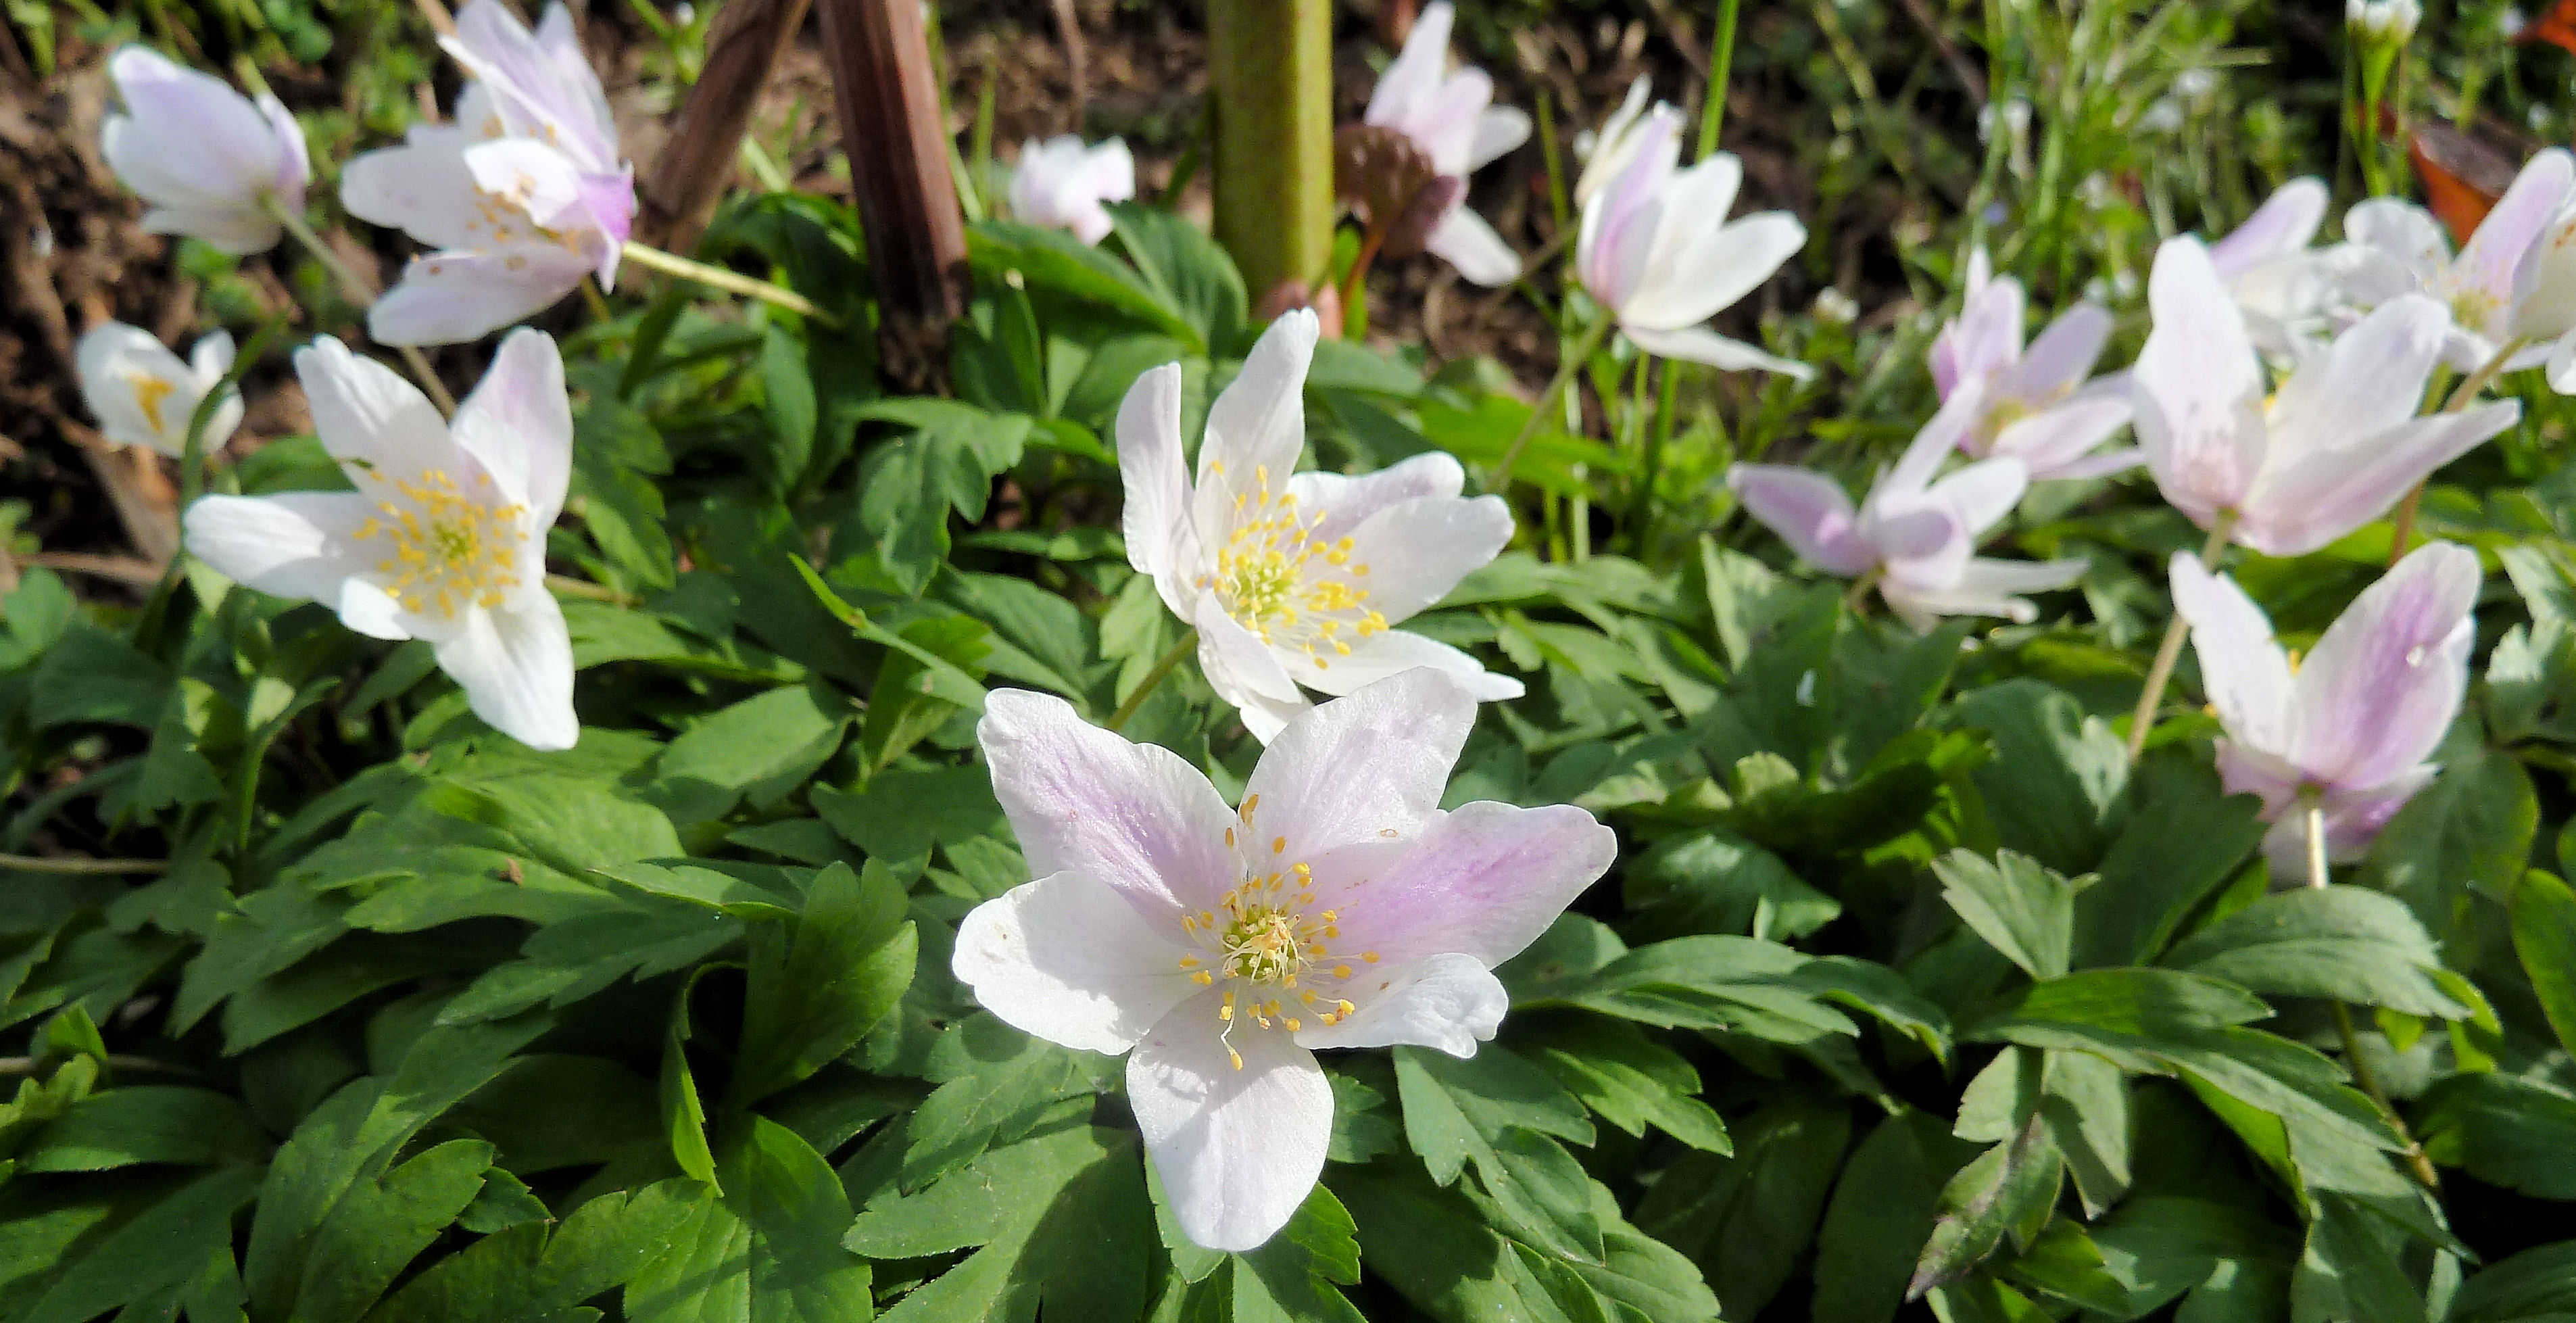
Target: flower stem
(732, 282)
(571, 587)
(2312, 811)
(1182, 647)
(1856, 599)
(2170, 651)
(1573, 362)
(2469, 389)
(360, 291)
(1721, 60)
(73, 866)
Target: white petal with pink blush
(2033, 404)
(1451, 117)
(1064, 184)
(1344, 909)
(213, 163)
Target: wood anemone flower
(213, 163)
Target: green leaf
(1629, 1079)
(787, 399)
(1497, 1110)
(2471, 830)
(155, 1123)
(1292, 1278)
(994, 1083)
(1716, 882)
(2534, 1284)
(908, 486)
(2020, 906)
(761, 747)
(1060, 1218)
(2055, 776)
(526, 1273)
(684, 1117)
(2338, 942)
(770, 1248)
(159, 1249)
(2544, 936)
(817, 988)
(1055, 260)
(2182, 839)
(904, 813)
(1185, 270)
(1883, 1209)
(1745, 1219)
(2006, 1191)
(378, 1226)
(2505, 1131)
(2122, 1014)
(2351, 1270)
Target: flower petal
(1498, 130)
(1979, 586)
(1081, 799)
(1450, 1002)
(1257, 427)
(1483, 880)
(1344, 501)
(1067, 959)
(2492, 260)
(1983, 492)
(518, 422)
(2369, 380)
(1235, 660)
(1698, 344)
(2380, 689)
(2331, 493)
(1713, 268)
(293, 545)
(1809, 511)
(1986, 338)
(2059, 359)
(2283, 224)
(1409, 555)
(515, 666)
(2242, 668)
(2056, 442)
(1465, 241)
(1368, 766)
(1238, 1148)
(2198, 386)
(367, 416)
(1394, 652)
(423, 188)
(140, 392)
(449, 298)
(1160, 539)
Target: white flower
(209, 160)
(142, 395)
(2394, 247)
(521, 197)
(444, 538)
(1657, 250)
(1452, 118)
(2034, 405)
(2286, 290)
(1295, 578)
(1339, 907)
(1063, 184)
(1916, 537)
(1606, 153)
(2389, 21)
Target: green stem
(1572, 363)
(2170, 651)
(566, 586)
(1182, 647)
(1270, 82)
(1650, 452)
(732, 282)
(358, 290)
(74, 867)
(1721, 60)
(2467, 392)
(2313, 815)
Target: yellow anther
(1278, 844)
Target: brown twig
(695, 167)
(1077, 56)
(120, 569)
(891, 126)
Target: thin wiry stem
(2469, 389)
(1153, 680)
(2312, 812)
(732, 282)
(2170, 651)
(360, 291)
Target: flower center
(446, 550)
(149, 391)
(1266, 941)
(2472, 307)
(1288, 586)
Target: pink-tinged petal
(294, 165)
(2244, 671)
(1408, 556)
(1713, 266)
(1238, 1147)
(1394, 652)
(2327, 495)
(1483, 881)
(1986, 338)
(294, 545)
(1609, 151)
(515, 667)
(1345, 501)
(2055, 444)
(2545, 285)
(2369, 380)
(1257, 427)
(532, 177)
(2492, 260)
(2198, 386)
(2353, 820)
(1067, 959)
(1978, 587)
(1698, 344)
(1465, 241)
(1498, 130)
(1621, 220)
(191, 140)
(1235, 660)
(1156, 521)
(1809, 511)
(540, 85)
(518, 422)
(2283, 224)
(368, 417)
(424, 189)
(2243, 770)
(1443, 124)
(1983, 492)
(1368, 766)
(2063, 355)
(451, 297)
(1416, 73)
(2380, 689)
(2102, 465)
(1137, 817)
(1264, 717)
(1449, 1002)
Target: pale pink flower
(2331, 449)
(1338, 907)
(2285, 289)
(1657, 250)
(2034, 405)
(1452, 118)
(444, 538)
(522, 196)
(212, 162)
(144, 395)
(2393, 247)
(2355, 723)
(1065, 185)
(1295, 578)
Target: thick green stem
(1721, 59)
(1575, 357)
(1181, 647)
(732, 282)
(2170, 651)
(1270, 79)
(359, 290)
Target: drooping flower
(2284, 288)
(1065, 185)
(2035, 406)
(2388, 22)
(522, 196)
(2394, 247)
(1452, 118)
(1338, 907)
(1607, 151)
(444, 538)
(2354, 724)
(143, 395)
(2295, 468)
(1657, 250)
(1295, 578)
(211, 161)
(1916, 537)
